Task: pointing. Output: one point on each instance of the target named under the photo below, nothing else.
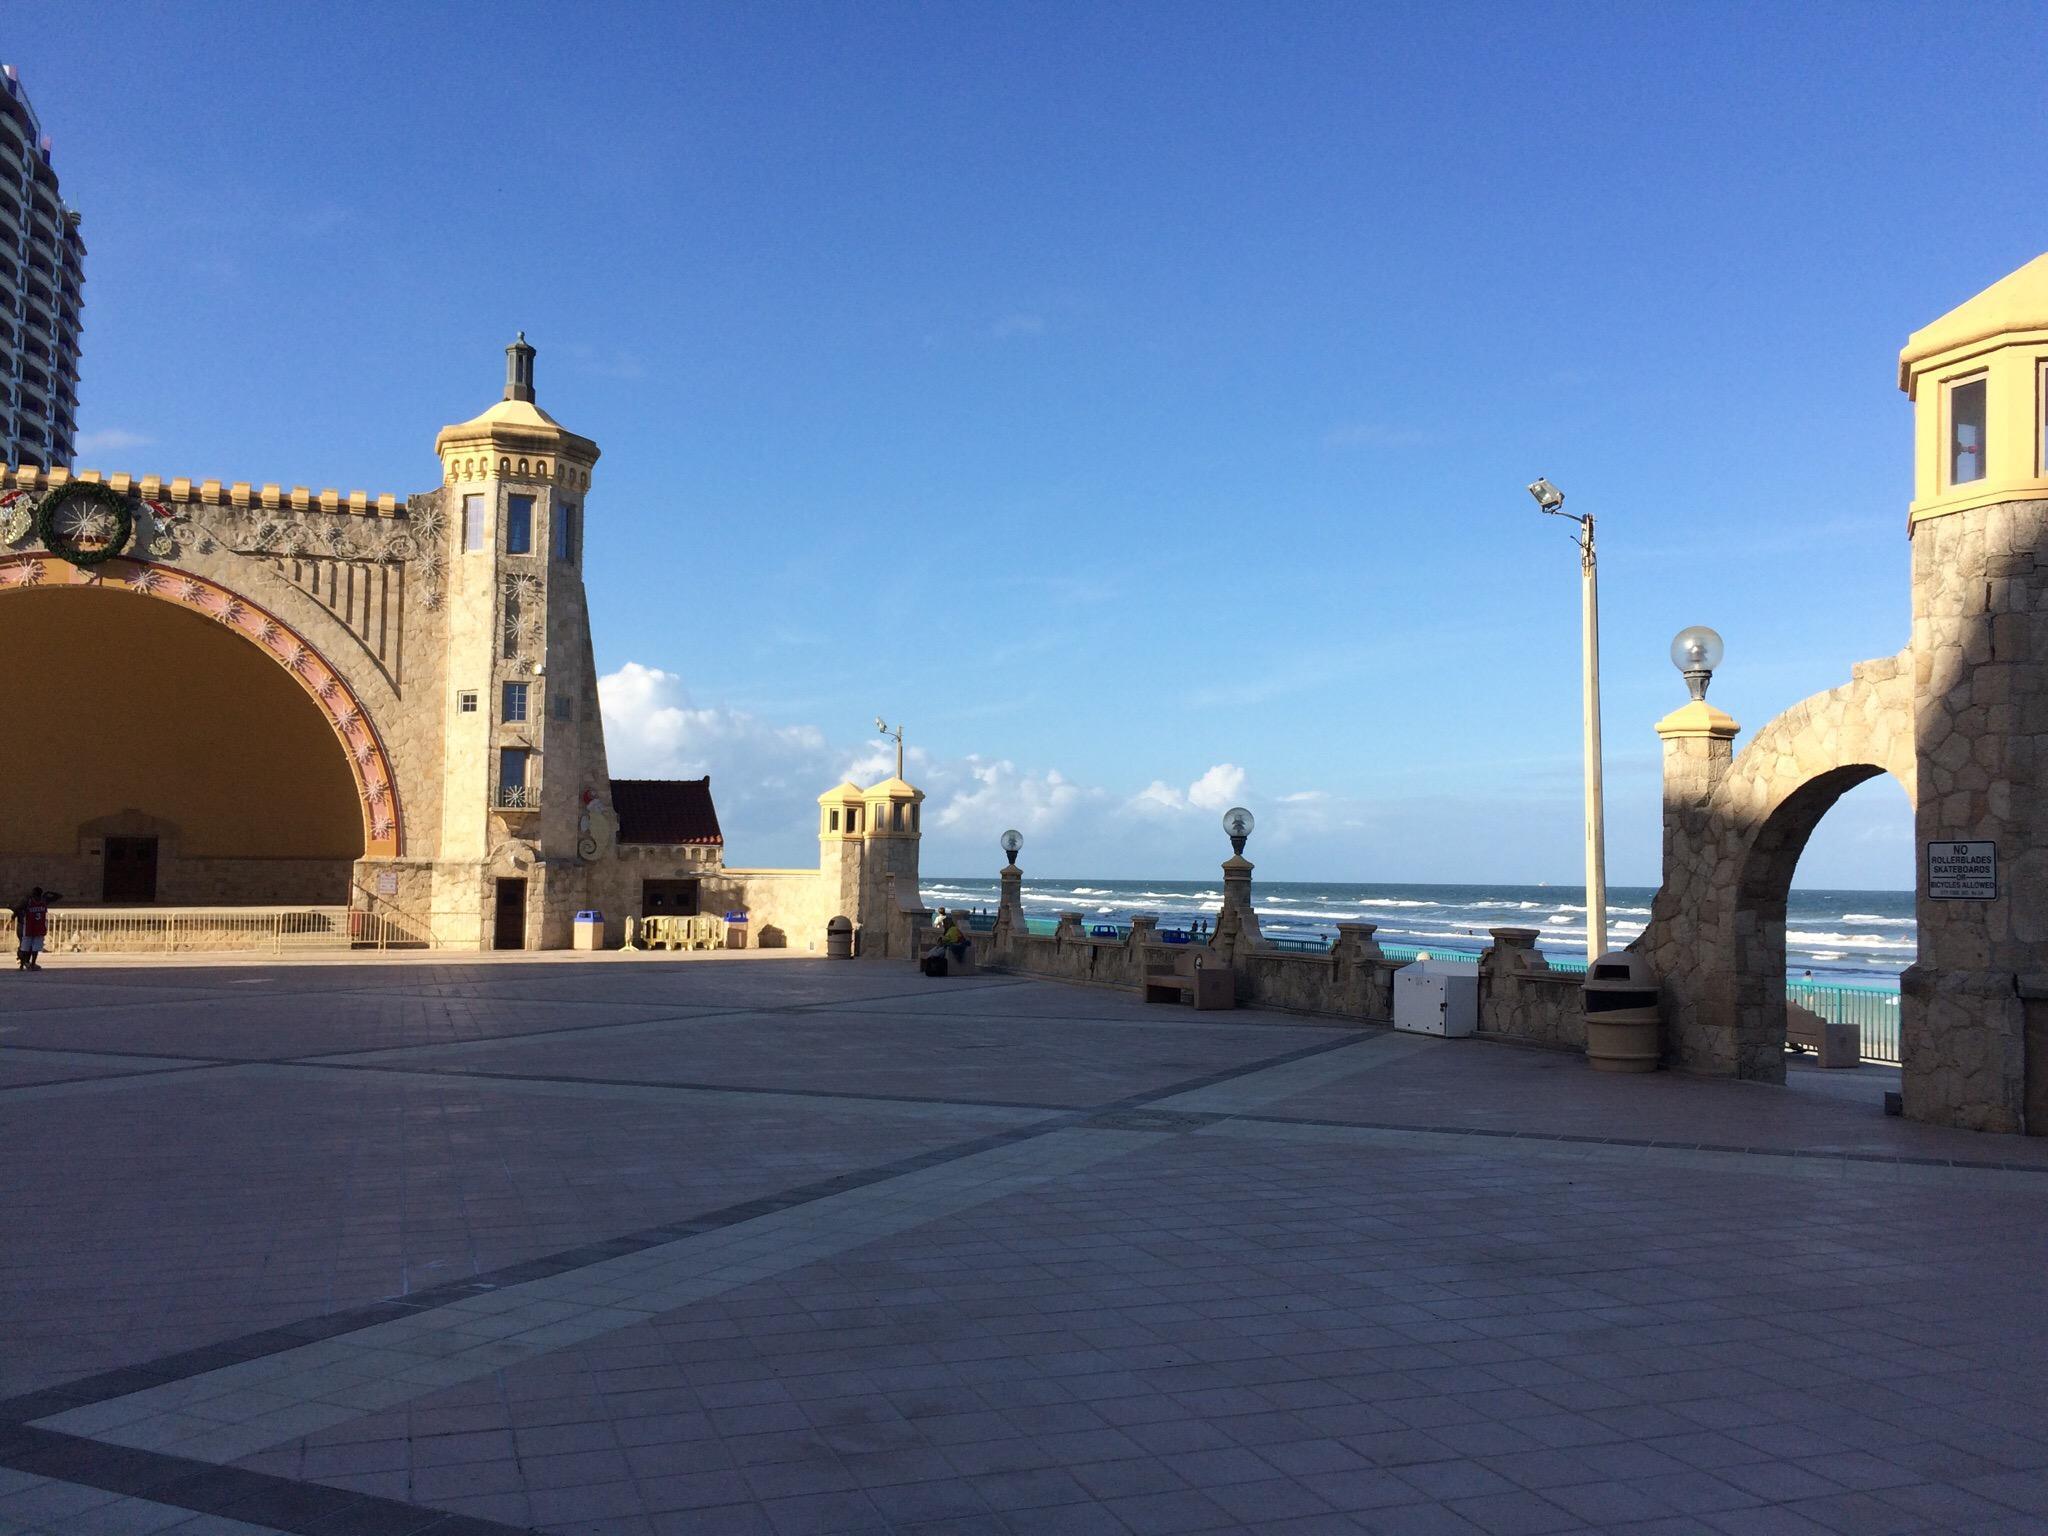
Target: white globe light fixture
(1012, 841)
(1696, 652)
(1237, 825)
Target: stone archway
(377, 792)
(1734, 827)
(1762, 891)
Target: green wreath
(86, 497)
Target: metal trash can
(589, 931)
(839, 939)
(1621, 1014)
(735, 930)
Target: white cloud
(1217, 789)
(766, 777)
(1305, 797)
(111, 440)
(1159, 796)
(987, 793)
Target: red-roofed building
(666, 811)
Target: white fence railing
(273, 930)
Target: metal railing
(190, 930)
(1873, 1010)
(518, 797)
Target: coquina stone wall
(1973, 1037)
(1734, 827)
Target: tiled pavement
(640, 1246)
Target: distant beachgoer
(31, 927)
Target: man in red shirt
(31, 927)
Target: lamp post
(1010, 882)
(884, 729)
(1550, 499)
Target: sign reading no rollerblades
(1962, 871)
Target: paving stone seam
(237, 1493)
(736, 1089)
(127, 1380)
(1715, 1148)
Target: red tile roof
(666, 811)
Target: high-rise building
(42, 269)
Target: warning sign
(1962, 871)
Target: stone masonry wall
(1980, 660)
(1521, 998)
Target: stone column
(1361, 972)
(1069, 930)
(1980, 659)
(1237, 923)
(1694, 912)
(1356, 945)
(1515, 948)
(1010, 905)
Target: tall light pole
(1551, 500)
(882, 727)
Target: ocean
(1855, 937)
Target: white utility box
(1436, 998)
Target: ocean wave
(1850, 941)
(1870, 920)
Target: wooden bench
(1186, 978)
(1837, 1045)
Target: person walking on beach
(31, 927)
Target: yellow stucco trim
(1942, 506)
(1698, 719)
(2016, 303)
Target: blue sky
(1137, 400)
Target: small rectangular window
(515, 703)
(518, 525)
(466, 701)
(1966, 432)
(472, 522)
(565, 531)
(833, 824)
(564, 707)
